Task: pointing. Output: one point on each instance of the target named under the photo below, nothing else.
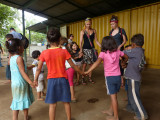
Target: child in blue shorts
(110, 56)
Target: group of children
(61, 63)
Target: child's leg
(25, 114)
(135, 100)
(72, 93)
(68, 110)
(15, 114)
(114, 103)
(52, 111)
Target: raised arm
(81, 40)
(96, 39)
(99, 60)
(21, 67)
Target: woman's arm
(21, 67)
(96, 38)
(99, 60)
(124, 42)
(74, 66)
(81, 40)
(38, 71)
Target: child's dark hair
(70, 35)
(12, 28)
(138, 39)
(9, 36)
(13, 45)
(128, 45)
(73, 44)
(109, 43)
(53, 36)
(36, 54)
(64, 41)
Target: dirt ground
(83, 110)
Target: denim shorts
(113, 84)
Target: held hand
(86, 73)
(32, 85)
(35, 83)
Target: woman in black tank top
(87, 37)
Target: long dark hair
(109, 44)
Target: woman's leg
(68, 110)
(90, 75)
(78, 75)
(83, 69)
(15, 114)
(25, 114)
(52, 111)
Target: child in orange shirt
(58, 86)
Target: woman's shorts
(88, 56)
(113, 84)
(58, 90)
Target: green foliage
(7, 18)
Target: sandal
(90, 80)
(83, 81)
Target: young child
(77, 56)
(20, 82)
(70, 71)
(133, 76)
(110, 57)
(8, 71)
(40, 87)
(58, 86)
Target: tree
(7, 17)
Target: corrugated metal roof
(65, 11)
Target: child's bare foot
(111, 118)
(40, 99)
(108, 112)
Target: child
(133, 75)
(20, 82)
(40, 87)
(58, 86)
(77, 56)
(110, 57)
(70, 71)
(8, 71)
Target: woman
(119, 35)
(87, 37)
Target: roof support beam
(51, 7)
(28, 3)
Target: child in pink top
(110, 57)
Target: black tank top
(86, 44)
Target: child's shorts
(113, 84)
(58, 90)
(40, 86)
(8, 72)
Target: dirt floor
(83, 110)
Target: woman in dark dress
(120, 37)
(87, 37)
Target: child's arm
(40, 64)
(99, 60)
(21, 67)
(30, 67)
(124, 61)
(74, 66)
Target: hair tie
(10, 42)
(65, 44)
